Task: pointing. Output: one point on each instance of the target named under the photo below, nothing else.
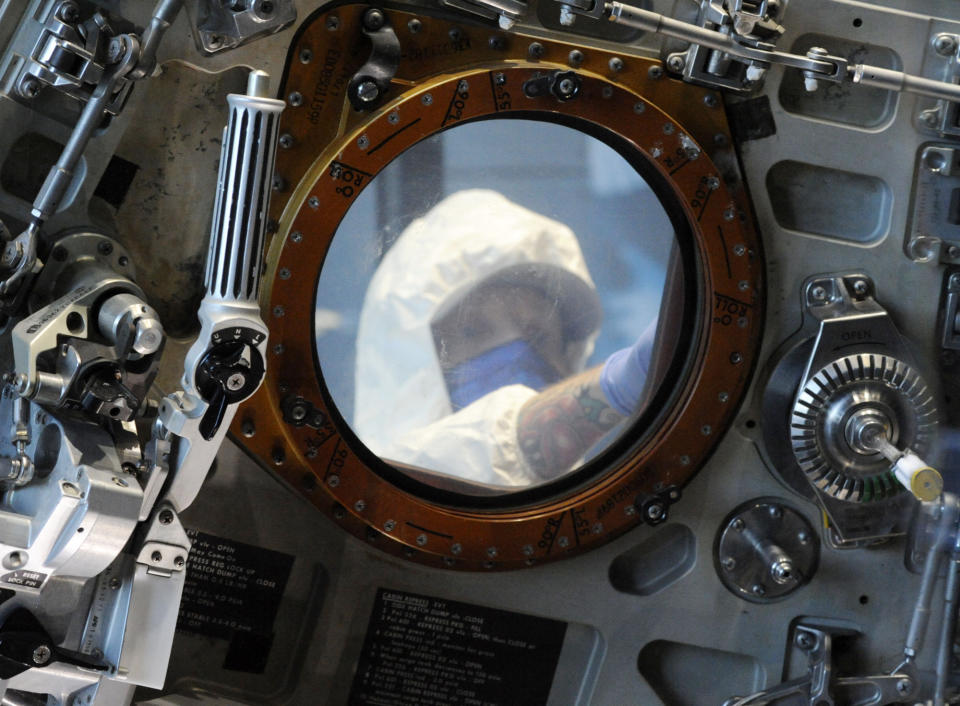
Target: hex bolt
(166, 517)
(42, 655)
(368, 91)
(156, 557)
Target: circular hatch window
(501, 320)
(461, 265)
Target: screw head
(373, 19)
(414, 25)
(421, 540)
(737, 524)
(179, 562)
(306, 56)
(655, 72)
(368, 91)
(575, 57)
(68, 12)
(42, 655)
(535, 50)
(236, 382)
(860, 287)
(248, 428)
(332, 23)
(615, 64)
(390, 525)
(904, 686)
(156, 557)
(758, 589)
(295, 99)
(166, 517)
(115, 583)
(803, 641)
(945, 44)
(285, 141)
(818, 293)
(676, 63)
(729, 563)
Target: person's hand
(624, 375)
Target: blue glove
(624, 375)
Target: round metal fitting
(846, 404)
(759, 554)
(367, 91)
(42, 655)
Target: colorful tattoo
(558, 426)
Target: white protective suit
(402, 410)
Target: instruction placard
(424, 651)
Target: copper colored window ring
(326, 463)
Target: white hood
(463, 240)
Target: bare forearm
(558, 426)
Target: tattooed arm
(558, 426)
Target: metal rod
(863, 74)
(947, 630)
